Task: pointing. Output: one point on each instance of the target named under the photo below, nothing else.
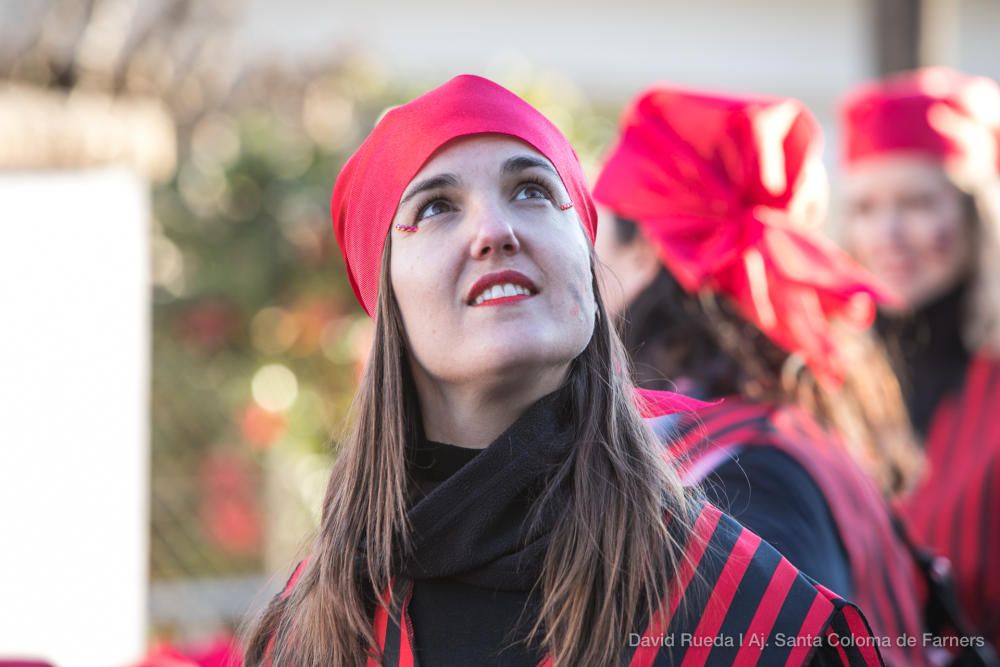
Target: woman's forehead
(488, 152)
(904, 167)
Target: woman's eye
(436, 207)
(532, 191)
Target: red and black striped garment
(883, 572)
(736, 601)
(956, 508)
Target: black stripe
(713, 437)
(746, 602)
(392, 631)
(699, 590)
(786, 626)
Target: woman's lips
(506, 286)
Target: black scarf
(470, 519)
(927, 352)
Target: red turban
(370, 185)
(711, 181)
(938, 112)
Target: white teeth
(500, 291)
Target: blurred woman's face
(496, 281)
(906, 222)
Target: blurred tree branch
(173, 50)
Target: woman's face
(496, 281)
(906, 222)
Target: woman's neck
(473, 415)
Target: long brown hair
(610, 557)
(671, 333)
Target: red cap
(711, 181)
(938, 112)
(372, 182)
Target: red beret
(938, 112)
(372, 182)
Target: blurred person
(499, 498)
(920, 159)
(721, 282)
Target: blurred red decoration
(261, 427)
(221, 651)
(208, 325)
(229, 511)
(313, 318)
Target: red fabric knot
(723, 187)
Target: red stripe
(923, 505)
(992, 572)
(294, 578)
(693, 551)
(285, 592)
(406, 632)
(859, 629)
(816, 619)
(967, 558)
(767, 612)
(722, 596)
(972, 549)
(701, 533)
(381, 625)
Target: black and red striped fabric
(884, 574)
(735, 601)
(956, 508)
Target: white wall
(74, 370)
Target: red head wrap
(937, 112)
(370, 185)
(711, 180)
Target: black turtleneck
(474, 561)
(927, 352)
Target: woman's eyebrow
(432, 183)
(522, 162)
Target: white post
(74, 375)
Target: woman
(722, 285)
(499, 499)
(920, 180)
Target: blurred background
(180, 344)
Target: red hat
(711, 181)
(938, 112)
(370, 185)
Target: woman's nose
(493, 232)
